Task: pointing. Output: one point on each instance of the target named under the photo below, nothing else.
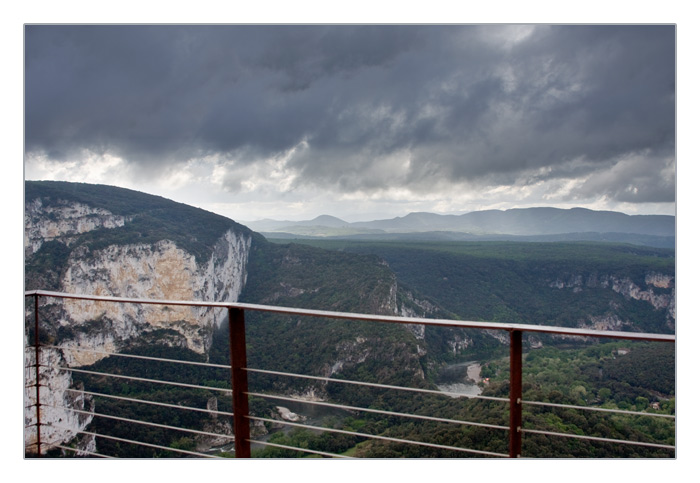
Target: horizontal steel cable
(294, 448)
(144, 423)
(135, 356)
(507, 327)
(373, 384)
(220, 366)
(152, 403)
(593, 408)
(597, 438)
(142, 379)
(375, 436)
(142, 443)
(467, 324)
(75, 450)
(35, 443)
(58, 445)
(378, 411)
(151, 445)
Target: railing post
(239, 382)
(516, 392)
(36, 373)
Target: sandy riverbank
(474, 372)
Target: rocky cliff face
(160, 270)
(62, 221)
(658, 290)
(163, 272)
(61, 407)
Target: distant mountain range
(526, 224)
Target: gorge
(102, 240)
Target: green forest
(637, 377)
(512, 282)
(596, 376)
(566, 284)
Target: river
(460, 378)
(310, 414)
(456, 379)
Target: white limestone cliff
(160, 271)
(658, 290)
(64, 220)
(64, 411)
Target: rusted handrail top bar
(465, 324)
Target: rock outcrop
(62, 221)
(161, 272)
(658, 290)
(86, 330)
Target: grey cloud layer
(371, 106)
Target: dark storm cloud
(373, 106)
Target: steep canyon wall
(86, 330)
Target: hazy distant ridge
(523, 222)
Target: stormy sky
(361, 122)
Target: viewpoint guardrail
(239, 377)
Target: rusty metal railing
(239, 370)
